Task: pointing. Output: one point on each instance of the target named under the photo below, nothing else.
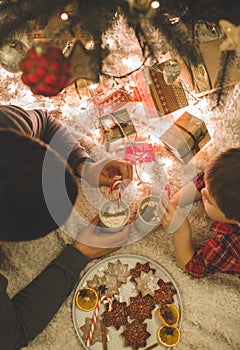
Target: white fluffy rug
(210, 305)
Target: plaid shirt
(221, 253)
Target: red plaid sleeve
(221, 253)
(199, 181)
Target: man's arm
(51, 131)
(41, 125)
(29, 312)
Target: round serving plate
(115, 340)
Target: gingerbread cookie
(94, 283)
(164, 295)
(118, 315)
(111, 283)
(97, 334)
(136, 335)
(141, 307)
(119, 270)
(135, 272)
(147, 283)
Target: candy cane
(95, 317)
(168, 189)
(121, 188)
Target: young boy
(219, 189)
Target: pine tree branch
(16, 15)
(178, 37)
(227, 60)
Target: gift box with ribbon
(140, 153)
(211, 54)
(116, 128)
(157, 94)
(203, 77)
(186, 137)
(112, 102)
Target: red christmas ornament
(45, 70)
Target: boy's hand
(93, 242)
(171, 215)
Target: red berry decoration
(45, 70)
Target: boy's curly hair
(223, 177)
(24, 212)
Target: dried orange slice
(168, 336)
(168, 314)
(86, 299)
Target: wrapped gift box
(195, 78)
(186, 137)
(116, 128)
(157, 94)
(202, 78)
(112, 102)
(140, 153)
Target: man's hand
(104, 172)
(93, 242)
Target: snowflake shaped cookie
(164, 295)
(136, 271)
(117, 317)
(119, 270)
(136, 334)
(141, 307)
(147, 283)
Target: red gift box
(141, 153)
(157, 94)
(113, 102)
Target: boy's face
(212, 209)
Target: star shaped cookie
(147, 283)
(97, 334)
(136, 334)
(141, 307)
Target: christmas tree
(153, 28)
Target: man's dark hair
(223, 177)
(24, 213)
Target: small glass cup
(147, 218)
(114, 215)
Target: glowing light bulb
(155, 4)
(110, 42)
(174, 20)
(89, 45)
(64, 16)
(132, 62)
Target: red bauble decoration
(45, 70)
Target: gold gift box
(116, 128)
(186, 137)
(203, 78)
